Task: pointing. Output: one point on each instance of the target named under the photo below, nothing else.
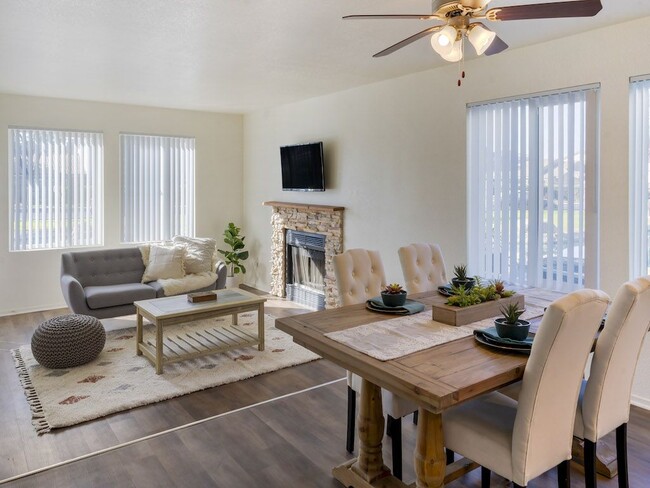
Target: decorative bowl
(467, 283)
(517, 332)
(394, 299)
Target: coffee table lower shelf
(181, 347)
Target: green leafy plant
(236, 254)
(511, 313)
(460, 272)
(462, 298)
(393, 289)
(500, 288)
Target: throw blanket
(190, 282)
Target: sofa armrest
(221, 270)
(74, 295)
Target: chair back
(423, 267)
(543, 428)
(606, 400)
(359, 275)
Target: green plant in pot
(393, 295)
(236, 254)
(510, 326)
(461, 279)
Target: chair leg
(416, 414)
(564, 474)
(590, 464)
(390, 423)
(621, 456)
(396, 442)
(352, 407)
(485, 477)
(450, 456)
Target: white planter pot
(233, 281)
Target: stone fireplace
(304, 240)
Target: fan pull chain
(461, 63)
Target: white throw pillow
(164, 263)
(198, 253)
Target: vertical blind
(157, 187)
(639, 163)
(55, 189)
(533, 191)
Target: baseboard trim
(641, 402)
(39, 308)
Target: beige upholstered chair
(604, 403)
(521, 440)
(360, 276)
(423, 267)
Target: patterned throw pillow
(198, 253)
(164, 263)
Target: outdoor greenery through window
(532, 192)
(56, 184)
(157, 184)
(639, 184)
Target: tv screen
(302, 167)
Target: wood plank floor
(292, 441)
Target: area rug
(119, 380)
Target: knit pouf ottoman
(68, 341)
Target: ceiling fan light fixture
(481, 37)
(455, 54)
(443, 41)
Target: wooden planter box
(466, 315)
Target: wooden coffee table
(163, 312)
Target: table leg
(370, 464)
(234, 319)
(260, 326)
(159, 348)
(138, 334)
(429, 459)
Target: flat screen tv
(302, 167)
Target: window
(532, 192)
(157, 187)
(639, 165)
(55, 189)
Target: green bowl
(517, 332)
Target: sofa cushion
(115, 295)
(164, 263)
(198, 253)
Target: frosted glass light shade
(442, 41)
(480, 37)
(455, 54)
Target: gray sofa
(105, 283)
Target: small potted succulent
(393, 295)
(510, 326)
(461, 279)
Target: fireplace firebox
(305, 268)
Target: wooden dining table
(435, 379)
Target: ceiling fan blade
(554, 10)
(393, 16)
(407, 41)
(497, 46)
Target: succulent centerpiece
(461, 279)
(510, 326)
(393, 295)
(480, 292)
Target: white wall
(395, 150)
(30, 280)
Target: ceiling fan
(461, 20)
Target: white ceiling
(228, 55)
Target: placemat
(397, 337)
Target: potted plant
(510, 326)
(393, 295)
(461, 279)
(235, 255)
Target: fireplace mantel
(318, 219)
(305, 206)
